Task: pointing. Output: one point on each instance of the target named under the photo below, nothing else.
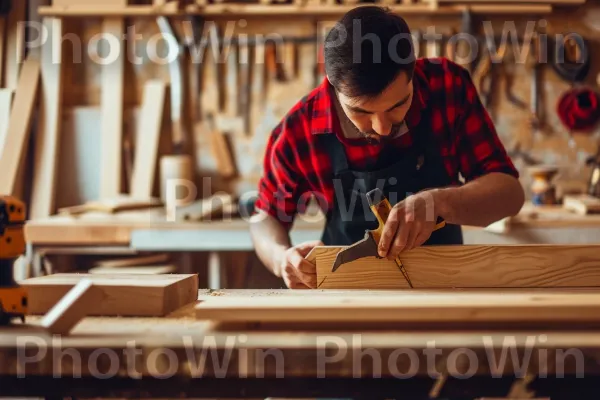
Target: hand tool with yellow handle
(367, 247)
(13, 298)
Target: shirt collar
(324, 117)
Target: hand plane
(367, 247)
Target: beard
(373, 137)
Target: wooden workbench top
(181, 335)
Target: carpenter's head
(369, 61)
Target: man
(382, 119)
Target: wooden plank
(113, 75)
(49, 124)
(466, 266)
(6, 96)
(15, 43)
(133, 261)
(139, 270)
(125, 295)
(111, 206)
(407, 308)
(72, 308)
(19, 125)
(153, 139)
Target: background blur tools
(13, 298)
(367, 247)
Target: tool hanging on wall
(536, 58)
(572, 58)
(509, 68)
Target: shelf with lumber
(223, 11)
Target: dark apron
(398, 173)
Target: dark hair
(366, 50)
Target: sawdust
(217, 293)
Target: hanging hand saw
(367, 247)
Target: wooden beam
(125, 295)
(153, 139)
(468, 266)
(15, 43)
(406, 307)
(19, 125)
(72, 308)
(113, 81)
(49, 124)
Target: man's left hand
(409, 224)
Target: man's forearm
(270, 241)
(481, 201)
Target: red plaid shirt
(295, 168)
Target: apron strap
(336, 152)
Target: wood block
(18, 131)
(582, 204)
(72, 308)
(49, 124)
(466, 266)
(113, 81)
(153, 139)
(125, 295)
(406, 307)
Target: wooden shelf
(222, 11)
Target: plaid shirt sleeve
(479, 148)
(281, 180)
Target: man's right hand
(296, 271)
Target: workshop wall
(275, 90)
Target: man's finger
(412, 236)
(400, 240)
(307, 268)
(389, 232)
(305, 248)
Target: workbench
(163, 357)
(149, 230)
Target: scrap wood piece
(133, 261)
(113, 81)
(6, 96)
(407, 307)
(582, 204)
(125, 295)
(49, 125)
(72, 308)
(222, 150)
(139, 270)
(111, 206)
(466, 266)
(153, 140)
(207, 209)
(17, 136)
